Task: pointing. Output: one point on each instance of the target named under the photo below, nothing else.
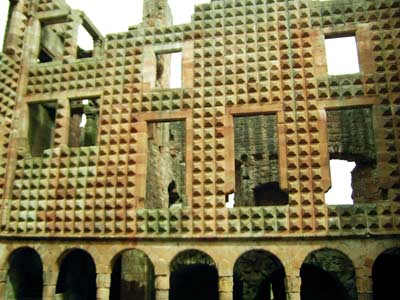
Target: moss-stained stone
(257, 115)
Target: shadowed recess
(25, 275)
(193, 276)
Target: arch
(328, 274)
(194, 276)
(385, 275)
(259, 275)
(25, 275)
(132, 276)
(77, 276)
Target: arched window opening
(77, 277)
(328, 274)
(385, 275)
(258, 275)
(25, 275)
(193, 276)
(132, 277)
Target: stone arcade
(114, 185)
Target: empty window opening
(341, 189)
(5, 13)
(342, 55)
(270, 194)
(77, 277)
(173, 195)
(385, 275)
(51, 43)
(166, 166)
(25, 275)
(256, 162)
(258, 274)
(193, 276)
(230, 200)
(132, 277)
(354, 175)
(182, 11)
(328, 274)
(44, 56)
(176, 70)
(83, 125)
(85, 43)
(168, 70)
(41, 127)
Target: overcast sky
(117, 15)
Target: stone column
(3, 283)
(90, 130)
(293, 284)
(149, 68)
(187, 64)
(225, 285)
(156, 13)
(61, 130)
(103, 284)
(71, 36)
(14, 25)
(32, 41)
(364, 283)
(162, 286)
(49, 284)
(98, 47)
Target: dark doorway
(25, 275)
(77, 277)
(258, 275)
(385, 278)
(194, 276)
(132, 277)
(318, 284)
(328, 274)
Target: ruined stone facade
(131, 202)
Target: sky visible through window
(117, 17)
(341, 189)
(3, 20)
(341, 55)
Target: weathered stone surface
(256, 107)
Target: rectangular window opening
(342, 55)
(352, 157)
(166, 165)
(51, 43)
(169, 70)
(83, 124)
(41, 127)
(85, 43)
(256, 162)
